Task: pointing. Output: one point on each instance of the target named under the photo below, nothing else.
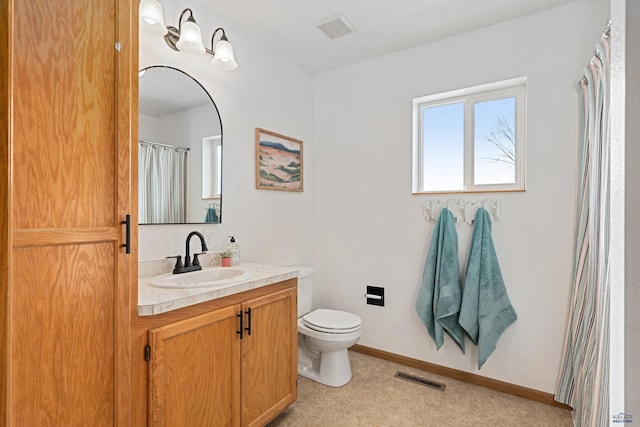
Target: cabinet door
(194, 371)
(269, 356)
(67, 327)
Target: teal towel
(211, 216)
(486, 310)
(440, 295)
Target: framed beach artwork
(278, 162)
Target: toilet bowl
(324, 336)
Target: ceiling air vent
(335, 26)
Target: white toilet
(323, 337)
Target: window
(470, 140)
(212, 167)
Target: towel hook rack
(462, 210)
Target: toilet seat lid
(325, 320)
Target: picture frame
(279, 162)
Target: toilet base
(329, 368)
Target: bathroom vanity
(224, 354)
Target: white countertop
(153, 300)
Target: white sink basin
(209, 277)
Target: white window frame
(470, 96)
(211, 167)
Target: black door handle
(241, 330)
(248, 328)
(127, 239)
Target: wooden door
(194, 371)
(68, 286)
(269, 357)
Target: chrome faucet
(188, 264)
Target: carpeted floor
(374, 398)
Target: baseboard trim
(504, 387)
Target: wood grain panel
(194, 371)
(68, 116)
(62, 339)
(64, 135)
(269, 357)
(61, 236)
(125, 180)
(5, 212)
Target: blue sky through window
(443, 144)
(443, 161)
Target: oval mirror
(180, 150)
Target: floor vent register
(418, 380)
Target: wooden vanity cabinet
(269, 365)
(203, 372)
(194, 371)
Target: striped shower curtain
(162, 184)
(584, 376)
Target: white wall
(632, 208)
(617, 384)
(369, 229)
(265, 91)
(147, 127)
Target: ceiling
(382, 26)
(158, 98)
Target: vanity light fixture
(223, 53)
(187, 37)
(152, 17)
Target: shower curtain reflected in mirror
(162, 184)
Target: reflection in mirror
(211, 166)
(180, 150)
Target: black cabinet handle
(241, 330)
(248, 328)
(127, 240)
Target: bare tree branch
(502, 136)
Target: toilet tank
(305, 289)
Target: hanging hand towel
(439, 296)
(486, 310)
(212, 216)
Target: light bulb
(152, 17)
(190, 38)
(223, 57)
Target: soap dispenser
(234, 249)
